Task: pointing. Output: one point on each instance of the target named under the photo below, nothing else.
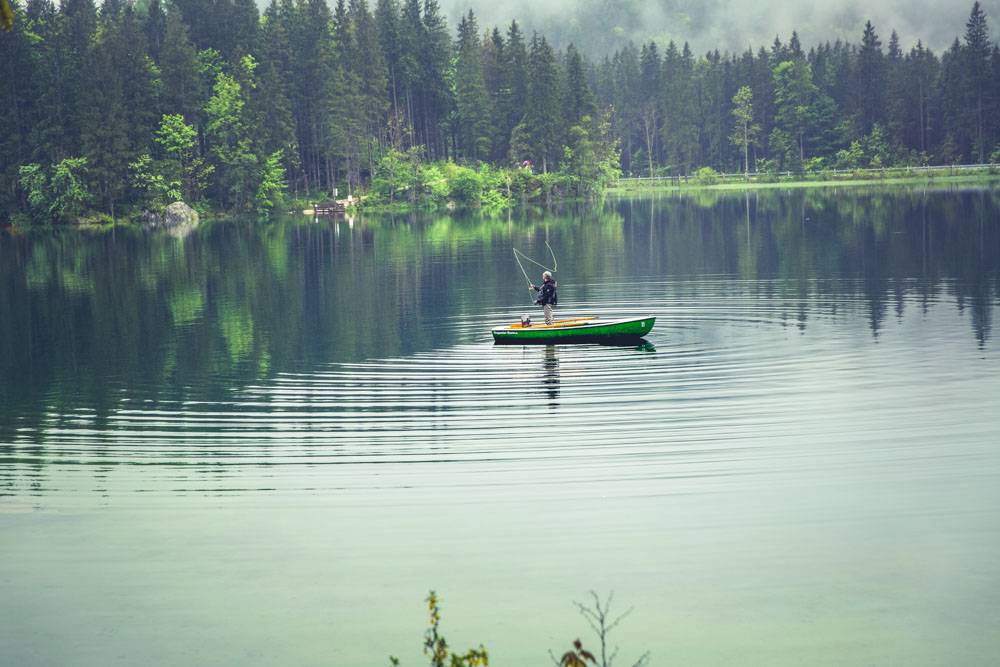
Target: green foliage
(466, 185)
(436, 646)
(434, 186)
(368, 101)
(397, 177)
(230, 143)
(181, 163)
(270, 195)
(152, 188)
(59, 195)
(706, 176)
(872, 151)
(745, 129)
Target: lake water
(262, 444)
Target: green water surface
(262, 443)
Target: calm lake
(262, 444)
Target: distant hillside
(601, 26)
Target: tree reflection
(91, 318)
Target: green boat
(578, 330)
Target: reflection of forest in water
(85, 315)
(884, 247)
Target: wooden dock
(329, 207)
(337, 207)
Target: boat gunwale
(583, 326)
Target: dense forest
(129, 105)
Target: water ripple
(723, 389)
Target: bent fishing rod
(518, 255)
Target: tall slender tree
(470, 91)
(978, 75)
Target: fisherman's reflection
(550, 376)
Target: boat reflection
(550, 376)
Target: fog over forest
(598, 26)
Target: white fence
(887, 171)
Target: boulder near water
(178, 214)
(178, 218)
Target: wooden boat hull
(580, 330)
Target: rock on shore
(178, 218)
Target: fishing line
(526, 278)
(518, 255)
(555, 263)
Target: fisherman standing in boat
(547, 295)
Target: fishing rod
(518, 255)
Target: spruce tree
(435, 56)
(182, 91)
(977, 76)
(542, 117)
(470, 91)
(870, 81)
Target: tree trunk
(746, 152)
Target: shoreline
(915, 179)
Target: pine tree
(435, 56)
(541, 120)
(412, 35)
(578, 99)
(515, 71)
(387, 25)
(627, 101)
(650, 86)
(17, 95)
(680, 123)
(895, 83)
(870, 81)
(155, 27)
(182, 91)
(956, 144)
(270, 98)
(977, 75)
(920, 90)
(498, 93)
(105, 125)
(371, 78)
(794, 93)
(470, 91)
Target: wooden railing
(758, 175)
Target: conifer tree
(649, 96)
(578, 99)
(515, 71)
(541, 120)
(371, 77)
(470, 91)
(977, 75)
(435, 55)
(627, 101)
(870, 81)
(104, 122)
(155, 27)
(794, 95)
(182, 92)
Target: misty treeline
(838, 105)
(135, 104)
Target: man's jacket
(547, 293)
